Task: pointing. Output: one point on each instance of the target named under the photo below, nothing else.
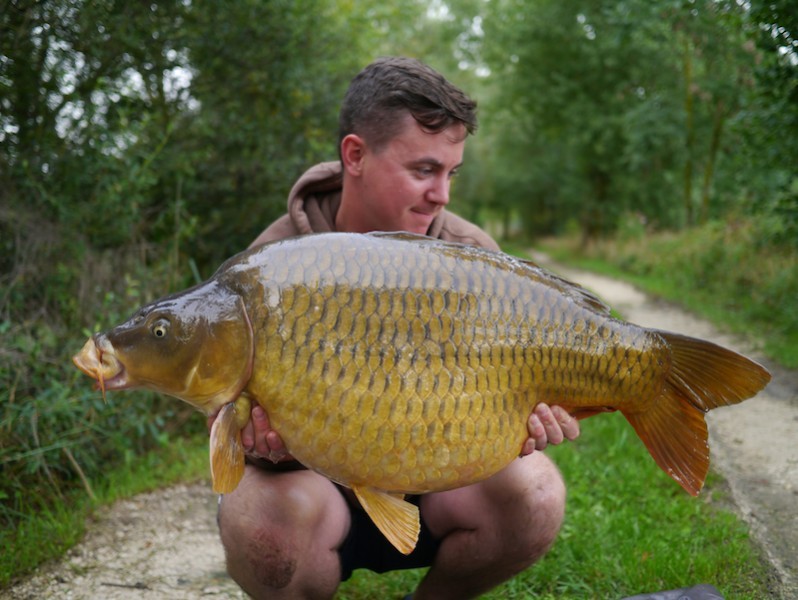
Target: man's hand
(549, 425)
(258, 438)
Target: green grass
(629, 529)
(46, 534)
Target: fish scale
(492, 310)
(395, 364)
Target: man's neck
(350, 216)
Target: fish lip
(98, 360)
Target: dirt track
(165, 545)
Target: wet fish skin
(397, 364)
(447, 391)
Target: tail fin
(703, 376)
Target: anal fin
(397, 519)
(226, 451)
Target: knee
(280, 532)
(541, 511)
(258, 552)
(263, 557)
(548, 498)
(548, 488)
(260, 528)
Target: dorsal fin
(405, 236)
(582, 296)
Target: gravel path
(164, 545)
(161, 545)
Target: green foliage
(268, 78)
(771, 135)
(81, 142)
(606, 108)
(55, 429)
(594, 114)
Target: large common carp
(395, 364)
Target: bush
(56, 433)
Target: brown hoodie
(314, 200)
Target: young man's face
(405, 184)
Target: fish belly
(413, 367)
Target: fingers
(549, 425)
(260, 429)
(528, 447)
(537, 435)
(568, 424)
(259, 439)
(554, 434)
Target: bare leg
(494, 529)
(281, 533)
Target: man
(291, 533)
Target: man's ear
(353, 150)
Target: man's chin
(420, 224)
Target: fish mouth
(98, 360)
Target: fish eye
(160, 328)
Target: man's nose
(439, 192)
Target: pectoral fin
(396, 519)
(227, 451)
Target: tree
(772, 136)
(620, 104)
(83, 83)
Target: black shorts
(365, 547)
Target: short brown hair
(392, 85)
